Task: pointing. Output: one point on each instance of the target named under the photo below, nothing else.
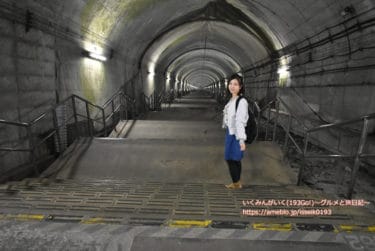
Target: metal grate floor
(130, 201)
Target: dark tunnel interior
(115, 119)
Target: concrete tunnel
(110, 124)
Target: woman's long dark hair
(239, 79)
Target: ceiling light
(97, 56)
(283, 70)
(94, 55)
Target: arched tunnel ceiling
(204, 66)
(152, 39)
(211, 27)
(141, 31)
(230, 40)
(199, 77)
(196, 55)
(212, 60)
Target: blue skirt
(232, 148)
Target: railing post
(357, 160)
(126, 108)
(88, 120)
(276, 120)
(154, 97)
(134, 108)
(285, 148)
(147, 103)
(147, 100)
(121, 100)
(268, 122)
(302, 167)
(75, 115)
(156, 101)
(259, 115)
(113, 112)
(104, 123)
(32, 150)
(56, 128)
(150, 102)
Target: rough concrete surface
(71, 236)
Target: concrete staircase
(157, 183)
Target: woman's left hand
(242, 146)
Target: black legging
(235, 170)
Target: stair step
(130, 198)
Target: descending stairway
(182, 143)
(167, 170)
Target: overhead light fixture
(284, 76)
(283, 70)
(168, 76)
(95, 56)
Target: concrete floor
(171, 160)
(182, 146)
(71, 236)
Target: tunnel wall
(91, 79)
(37, 70)
(28, 80)
(28, 85)
(328, 82)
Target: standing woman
(235, 121)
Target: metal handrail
(87, 102)
(111, 99)
(41, 116)
(22, 124)
(288, 136)
(306, 134)
(267, 105)
(55, 132)
(290, 112)
(129, 99)
(146, 101)
(161, 98)
(10, 149)
(325, 126)
(307, 131)
(153, 101)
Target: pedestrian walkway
(158, 183)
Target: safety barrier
(69, 119)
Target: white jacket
(236, 121)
